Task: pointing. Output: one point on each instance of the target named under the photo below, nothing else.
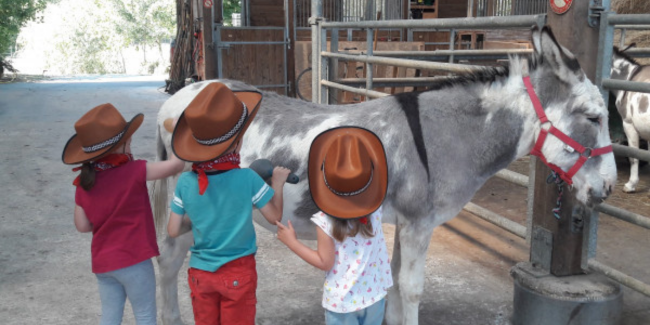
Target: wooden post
(209, 57)
(564, 237)
(291, 54)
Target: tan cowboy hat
(98, 132)
(213, 122)
(348, 175)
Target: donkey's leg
(394, 301)
(414, 240)
(170, 261)
(633, 142)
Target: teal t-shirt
(222, 218)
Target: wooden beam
(571, 29)
(209, 55)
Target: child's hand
(286, 234)
(280, 175)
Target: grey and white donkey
(633, 107)
(441, 145)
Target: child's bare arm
(163, 169)
(322, 258)
(272, 211)
(81, 221)
(178, 225)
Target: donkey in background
(633, 107)
(442, 145)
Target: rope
(555, 178)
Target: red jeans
(226, 296)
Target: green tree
(230, 7)
(14, 14)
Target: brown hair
(342, 228)
(87, 176)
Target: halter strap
(585, 153)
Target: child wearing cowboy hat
(218, 197)
(112, 201)
(348, 178)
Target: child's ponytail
(342, 228)
(87, 176)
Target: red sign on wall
(207, 3)
(560, 6)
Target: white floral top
(361, 274)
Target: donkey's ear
(563, 62)
(629, 47)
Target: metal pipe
(370, 37)
(405, 63)
(391, 82)
(631, 217)
(322, 74)
(636, 19)
(496, 219)
(638, 52)
(454, 52)
(464, 23)
(624, 27)
(620, 277)
(367, 93)
(626, 151)
(316, 14)
(642, 87)
(254, 43)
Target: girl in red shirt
(112, 201)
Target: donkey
(442, 145)
(633, 107)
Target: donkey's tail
(159, 190)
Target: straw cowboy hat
(213, 122)
(98, 132)
(347, 171)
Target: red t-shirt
(118, 208)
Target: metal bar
(452, 41)
(604, 54)
(322, 73)
(638, 52)
(496, 219)
(513, 177)
(252, 27)
(333, 66)
(636, 27)
(370, 37)
(316, 14)
(620, 277)
(464, 23)
(530, 196)
(390, 82)
(270, 86)
(218, 49)
(254, 43)
(626, 151)
(621, 43)
(367, 93)
(636, 19)
(641, 87)
(286, 48)
(454, 52)
(589, 238)
(405, 63)
(624, 215)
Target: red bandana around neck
(104, 163)
(227, 162)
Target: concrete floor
(45, 273)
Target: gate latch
(596, 7)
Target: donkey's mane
(485, 75)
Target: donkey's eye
(595, 120)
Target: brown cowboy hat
(348, 175)
(98, 132)
(213, 122)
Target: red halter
(585, 153)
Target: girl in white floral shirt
(348, 181)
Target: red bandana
(363, 220)
(107, 162)
(227, 162)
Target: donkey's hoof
(629, 188)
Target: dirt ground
(45, 275)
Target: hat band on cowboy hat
(353, 193)
(102, 145)
(230, 133)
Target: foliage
(14, 14)
(230, 7)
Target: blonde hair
(343, 228)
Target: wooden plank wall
(452, 8)
(254, 64)
(267, 13)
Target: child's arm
(272, 211)
(322, 258)
(81, 221)
(164, 169)
(178, 225)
